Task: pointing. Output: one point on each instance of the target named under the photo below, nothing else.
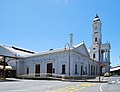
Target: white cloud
(67, 2)
(60, 2)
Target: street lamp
(69, 59)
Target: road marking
(118, 81)
(72, 88)
(101, 87)
(113, 82)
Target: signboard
(104, 65)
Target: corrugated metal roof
(18, 51)
(47, 52)
(26, 53)
(115, 69)
(55, 50)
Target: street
(113, 85)
(18, 85)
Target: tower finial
(96, 16)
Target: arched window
(63, 69)
(86, 70)
(95, 39)
(81, 70)
(93, 55)
(27, 70)
(76, 69)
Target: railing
(41, 75)
(54, 76)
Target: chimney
(71, 40)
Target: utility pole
(4, 67)
(99, 46)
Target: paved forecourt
(44, 86)
(17, 85)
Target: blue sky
(40, 25)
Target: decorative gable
(81, 48)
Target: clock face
(96, 27)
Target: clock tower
(96, 37)
(99, 51)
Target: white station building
(69, 61)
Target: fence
(54, 76)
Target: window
(75, 68)
(95, 32)
(93, 55)
(95, 39)
(63, 69)
(81, 70)
(96, 70)
(89, 69)
(53, 70)
(27, 70)
(86, 70)
(93, 48)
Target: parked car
(106, 74)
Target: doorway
(37, 70)
(49, 68)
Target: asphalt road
(14, 85)
(113, 85)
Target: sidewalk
(9, 79)
(96, 80)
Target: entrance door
(37, 70)
(49, 68)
